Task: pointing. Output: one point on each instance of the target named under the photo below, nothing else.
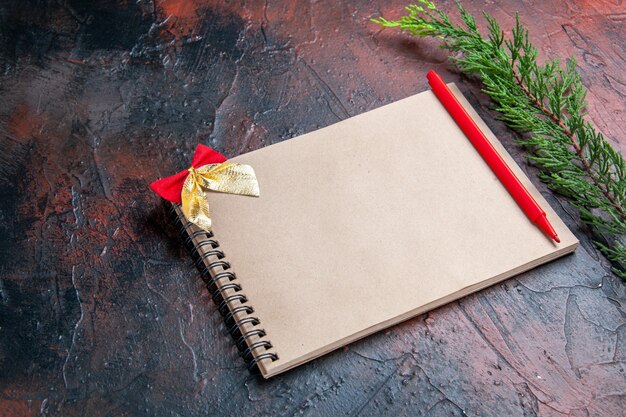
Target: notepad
(362, 225)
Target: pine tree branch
(579, 150)
(546, 104)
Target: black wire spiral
(226, 279)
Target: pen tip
(544, 224)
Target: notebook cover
(371, 221)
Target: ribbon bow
(209, 171)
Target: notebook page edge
(273, 371)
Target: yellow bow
(227, 177)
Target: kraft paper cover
(371, 221)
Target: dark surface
(101, 310)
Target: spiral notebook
(360, 226)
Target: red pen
(517, 190)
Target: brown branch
(572, 138)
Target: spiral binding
(253, 352)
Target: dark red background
(101, 311)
